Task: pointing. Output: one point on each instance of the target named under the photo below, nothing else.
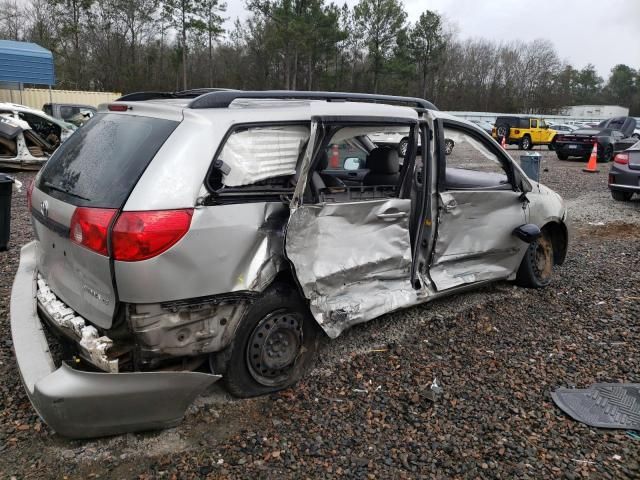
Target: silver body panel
(352, 264)
(79, 276)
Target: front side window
(471, 164)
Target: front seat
(384, 167)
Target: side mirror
(528, 232)
(352, 163)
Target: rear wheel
(502, 130)
(273, 346)
(619, 196)
(536, 268)
(562, 156)
(402, 147)
(448, 146)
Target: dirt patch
(617, 230)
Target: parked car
(624, 175)
(562, 127)
(174, 231)
(53, 130)
(400, 140)
(484, 125)
(611, 136)
(524, 131)
(21, 148)
(70, 112)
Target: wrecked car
(20, 147)
(180, 233)
(53, 130)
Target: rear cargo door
(94, 171)
(350, 247)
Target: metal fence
(37, 97)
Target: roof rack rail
(222, 99)
(192, 93)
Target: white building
(595, 111)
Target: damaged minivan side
(184, 238)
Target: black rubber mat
(603, 405)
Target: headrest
(383, 160)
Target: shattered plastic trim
(94, 346)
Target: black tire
(277, 325)
(607, 154)
(503, 130)
(552, 144)
(536, 268)
(620, 196)
(562, 156)
(448, 146)
(526, 143)
(402, 147)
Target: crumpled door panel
(474, 241)
(352, 260)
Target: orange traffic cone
(503, 143)
(593, 161)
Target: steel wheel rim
(525, 143)
(274, 347)
(502, 132)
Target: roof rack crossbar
(222, 99)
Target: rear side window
(100, 163)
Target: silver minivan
(185, 237)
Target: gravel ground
(367, 410)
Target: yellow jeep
(523, 131)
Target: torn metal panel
(92, 346)
(229, 248)
(254, 154)
(186, 328)
(474, 240)
(351, 260)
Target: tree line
(133, 45)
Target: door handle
(391, 216)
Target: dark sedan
(611, 136)
(624, 176)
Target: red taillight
(621, 158)
(29, 194)
(141, 235)
(90, 226)
(517, 132)
(115, 107)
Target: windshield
(100, 164)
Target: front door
(350, 246)
(479, 209)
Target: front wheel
(607, 154)
(525, 143)
(273, 346)
(536, 268)
(448, 146)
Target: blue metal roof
(25, 62)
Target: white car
(563, 127)
(20, 147)
(53, 130)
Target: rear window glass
(101, 162)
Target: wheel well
(559, 237)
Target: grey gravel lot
(366, 410)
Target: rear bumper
(624, 179)
(82, 404)
(580, 151)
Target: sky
(602, 32)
